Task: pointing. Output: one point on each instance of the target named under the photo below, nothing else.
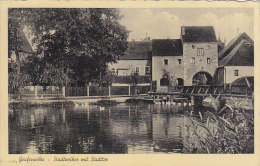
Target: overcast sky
(166, 23)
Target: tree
(134, 79)
(73, 45)
(170, 77)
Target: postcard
(129, 83)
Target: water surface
(92, 129)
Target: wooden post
(200, 115)
(199, 90)
(63, 91)
(129, 90)
(192, 100)
(109, 89)
(87, 90)
(36, 91)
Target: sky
(162, 23)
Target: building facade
(237, 63)
(137, 59)
(191, 60)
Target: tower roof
(198, 34)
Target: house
(232, 44)
(24, 48)
(237, 63)
(190, 60)
(167, 63)
(137, 59)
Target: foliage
(15, 81)
(105, 80)
(229, 132)
(170, 77)
(73, 45)
(134, 78)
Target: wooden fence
(106, 91)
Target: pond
(92, 129)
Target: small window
(208, 60)
(113, 70)
(165, 62)
(193, 60)
(137, 70)
(236, 73)
(200, 51)
(208, 47)
(179, 61)
(147, 70)
(192, 46)
(164, 82)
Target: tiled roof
(232, 44)
(198, 34)
(241, 55)
(167, 47)
(137, 50)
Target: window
(165, 62)
(137, 70)
(180, 81)
(179, 60)
(192, 60)
(236, 73)
(192, 46)
(208, 60)
(147, 70)
(113, 70)
(164, 82)
(208, 47)
(200, 51)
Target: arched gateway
(201, 78)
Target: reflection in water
(124, 128)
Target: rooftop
(137, 50)
(198, 34)
(24, 44)
(232, 44)
(241, 55)
(167, 47)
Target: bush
(119, 90)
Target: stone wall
(190, 50)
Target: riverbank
(78, 99)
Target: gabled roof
(198, 34)
(232, 44)
(241, 55)
(137, 50)
(24, 45)
(167, 47)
